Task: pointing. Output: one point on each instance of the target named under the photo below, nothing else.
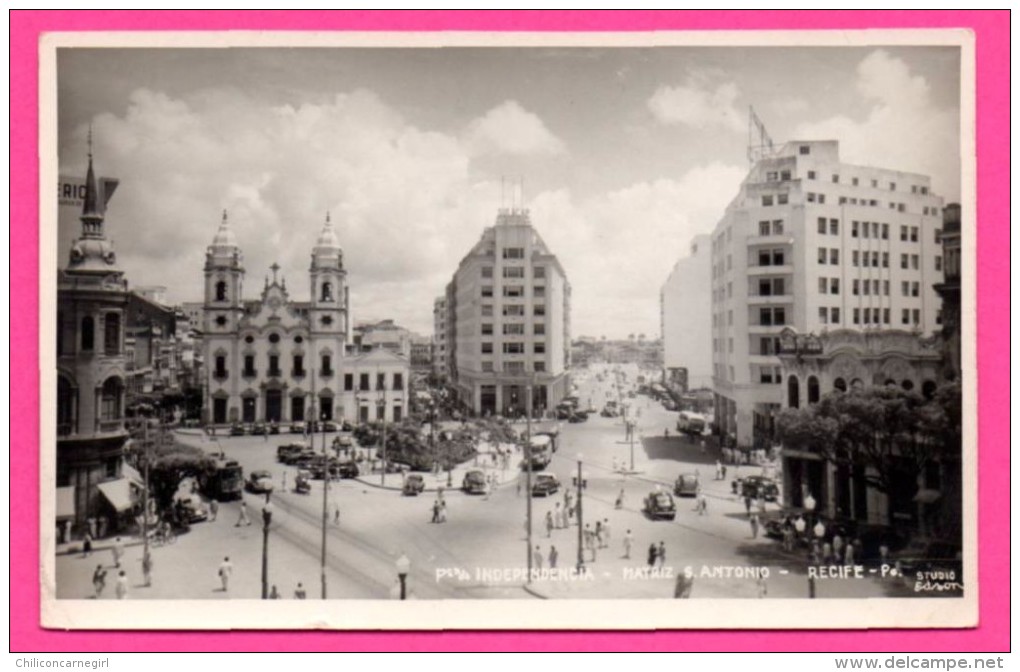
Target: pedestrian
(442, 512)
(558, 517)
(86, 546)
(826, 552)
(336, 515)
(754, 525)
(214, 509)
(548, 524)
(761, 505)
(519, 485)
(553, 557)
(118, 551)
(837, 547)
(435, 511)
(619, 500)
(243, 518)
(605, 533)
(537, 558)
(147, 568)
(723, 468)
(598, 533)
(274, 594)
(653, 553)
(702, 504)
(225, 570)
(628, 542)
(299, 592)
(684, 583)
(662, 553)
(99, 580)
(788, 537)
(703, 447)
(122, 585)
(718, 470)
(848, 559)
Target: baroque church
(277, 360)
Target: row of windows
(828, 226)
(514, 367)
(828, 285)
(514, 348)
(514, 329)
(514, 310)
(830, 254)
(869, 259)
(869, 230)
(515, 272)
(514, 291)
(87, 334)
(855, 181)
(828, 315)
(770, 228)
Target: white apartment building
(509, 321)
(814, 244)
(440, 362)
(686, 303)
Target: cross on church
(274, 268)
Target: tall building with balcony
(92, 365)
(273, 359)
(686, 304)
(814, 244)
(508, 310)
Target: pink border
(992, 34)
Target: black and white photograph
(557, 331)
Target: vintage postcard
(508, 331)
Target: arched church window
(813, 391)
(793, 392)
(327, 291)
(111, 334)
(110, 397)
(88, 333)
(221, 291)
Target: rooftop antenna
(759, 142)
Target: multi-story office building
(814, 244)
(273, 358)
(508, 312)
(685, 304)
(440, 363)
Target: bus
(690, 422)
(226, 480)
(540, 451)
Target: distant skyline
(625, 154)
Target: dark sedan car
(237, 429)
(759, 487)
(414, 485)
(659, 505)
(347, 470)
(544, 484)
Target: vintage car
(297, 427)
(544, 484)
(274, 427)
(302, 484)
(287, 451)
(237, 429)
(259, 482)
(659, 505)
(759, 487)
(259, 429)
(474, 482)
(329, 426)
(578, 416)
(346, 470)
(414, 485)
(686, 485)
(191, 509)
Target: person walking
(336, 515)
(702, 504)
(653, 553)
(99, 580)
(442, 512)
(628, 542)
(225, 570)
(848, 558)
(598, 533)
(553, 557)
(147, 568)
(243, 518)
(214, 509)
(837, 547)
(537, 558)
(548, 524)
(86, 546)
(763, 586)
(122, 585)
(118, 551)
(299, 592)
(754, 525)
(619, 500)
(435, 511)
(661, 555)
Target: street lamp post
(809, 504)
(403, 568)
(267, 517)
(580, 517)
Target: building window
(380, 381)
(805, 149)
(538, 292)
(539, 367)
(487, 348)
(855, 258)
(892, 186)
(867, 288)
(274, 365)
(885, 287)
(915, 289)
(938, 236)
(486, 310)
(486, 367)
(249, 366)
(88, 333)
(938, 263)
(513, 291)
(785, 175)
(822, 228)
(823, 285)
(486, 291)
(764, 228)
(515, 272)
(221, 291)
(539, 330)
(111, 334)
(348, 382)
(513, 329)
(905, 317)
(834, 315)
(772, 176)
(513, 252)
(915, 262)
(782, 199)
(823, 315)
(903, 233)
(834, 227)
(834, 256)
(486, 330)
(856, 287)
(913, 234)
(109, 408)
(904, 261)
(539, 348)
(486, 271)
(766, 200)
(917, 316)
(539, 310)
(513, 348)
(854, 229)
(299, 365)
(834, 286)
(513, 310)
(885, 315)
(810, 197)
(327, 291)
(823, 254)
(364, 382)
(857, 315)
(811, 174)
(220, 370)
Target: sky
(624, 155)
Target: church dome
(224, 235)
(327, 239)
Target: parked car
(544, 484)
(659, 505)
(259, 482)
(274, 427)
(192, 509)
(347, 470)
(330, 426)
(474, 482)
(578, 416)
(414, 485)
(297, 427)
(259, 429)
(237, 429)
(609, 412)
(759, 487)
(287, 451)
(686, 485)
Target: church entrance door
(297, 409)
(248, 409)
(274, 405)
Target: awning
(132, 475)
(118, 493)
(65, 502)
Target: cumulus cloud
(618, 248)
(698, 103)
(508, 128)
(903, 129)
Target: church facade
(277, 360)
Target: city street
(454, 559)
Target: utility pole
(527, 462)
